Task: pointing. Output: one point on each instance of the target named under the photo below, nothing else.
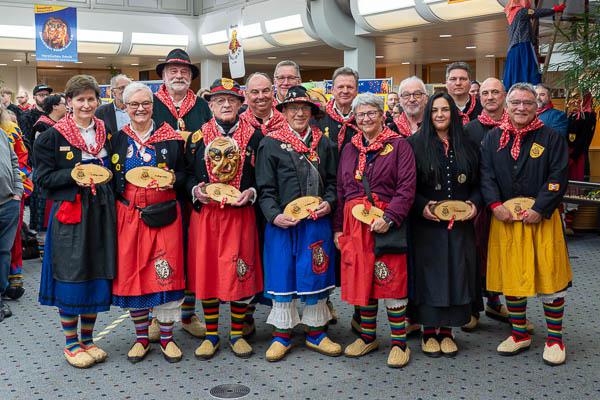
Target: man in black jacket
(30, 117)
(113, 114)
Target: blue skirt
(147, 300)
(521, 66)
(299, 262)
(87, 297)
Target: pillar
(362, 58)
(210, 69)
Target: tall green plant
(582, 49)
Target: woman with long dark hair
(443, 252)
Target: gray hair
(347, 71)
(114, 79)
(133, 88)
(412, 79)
(527, 87)
(255, 74)
(288, 63)
(458, 65)
(367, 99)
(544, 86)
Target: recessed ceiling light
(470, 47)
(17, 60)
(134, 64)
(445, 59)
(59, 66)
(405, 63)
(101, 58)
(3, 65)
(445, 36)
(490, 55)
(161, 59)
(379, 56)
(32, 55)
(272, 58)
(78, 62)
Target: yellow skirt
(525, 260)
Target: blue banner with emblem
(55, 33)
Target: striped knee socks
(368, 321)
(87, 328)
(283, 336)
(249, 318)
(238, 313)
(315, 334)
(69, 325)
(429, 332)
(493, 301)
(554, 316)
(166, 333)
(445, 331)
(517, 309)
(211, 317)
(141, 322)
(188, 307)
(397, 319)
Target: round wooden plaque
(517, 205)
(220, 191)
(150, 177)
(299, 208)
(448, 209)
(88, 173)
(360, 212)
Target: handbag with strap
(156, 215)
(394, 240)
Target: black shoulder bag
(156, 215)
(394, 240)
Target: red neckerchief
(509, 130)
(275, 123)
(466, 115)
(403, 125)
(164, 133)
(68, 128)
(545, 108)
(242, 136)
(24, 108)
(340, 120)
(486, 120)
(286, 135)
(46, 120)
(186, 105)
(446, 143)
(377, 145)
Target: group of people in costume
(273, 195)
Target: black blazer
(106, 112)
(55, 157)
(169, 152)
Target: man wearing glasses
(114, 115)
(287, 74)
(527, 253)
(413, 98)
(31, 116)
(458, 83)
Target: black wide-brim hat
(297, 94)
(225, 86)
(180, 57)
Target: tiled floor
(32, 366)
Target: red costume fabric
(365, 276)
(149, 260)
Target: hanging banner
(377, 86)
(55, 33)
(236, 51)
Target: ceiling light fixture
(379, 56)
(406, 63)
(17, 60)
(59, 66)
(134, 64)
(100, 58)
(470, 47)
(490, 56)
(444, 59)
(445, 36)
(272, 58)
(284, 24)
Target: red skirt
(223, 253)
(149, 260)
(365, 276)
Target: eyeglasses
(120, 88)
(370, 114)
(494, 92)
(526, 103)
(416, 95)
(222, 100)
(136, 105)
(295, 109)
(286, 78)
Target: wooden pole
(552, 43)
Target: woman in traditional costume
(378, 165)
(444, 260)
(80, 250)
(224, 263)
(150, 268)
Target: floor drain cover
(229, 391)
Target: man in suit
(113, 114)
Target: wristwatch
(388, 221)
